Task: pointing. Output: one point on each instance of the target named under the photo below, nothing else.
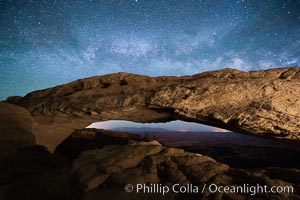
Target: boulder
(16, 128)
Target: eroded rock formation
(259, 102)
(87, 139)
(104, 170)
(94, 163)
(104, 162)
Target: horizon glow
(177, 125)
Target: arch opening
(236, 149)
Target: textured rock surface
(263, 102)
(86, 139)
(113, 159)
(103, 171)
(260, 102)
(15, 128)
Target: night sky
(49, 42)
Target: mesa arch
(260, 102)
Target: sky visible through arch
(49, 42)
(177, 125)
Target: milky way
(49, 42)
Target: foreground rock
(33, 173)
(16, 127)
(105, 172)
(141, 163)
(261, 102)
(102, 172)
(86, 139)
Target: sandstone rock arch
(263, 103)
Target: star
(61, 41)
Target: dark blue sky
(49, 42)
